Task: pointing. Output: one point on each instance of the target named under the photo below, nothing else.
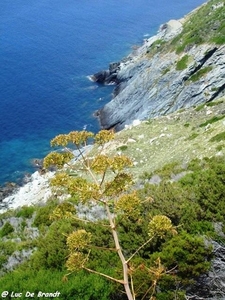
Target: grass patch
(165, 71)
(122, 148)
(210, 104)
(204, 25)
(200, 73)
(192, 136)
(212, 120)
(200, 107)
(220, 147)
(219, 137)
(182, 63)
(6, 229)
(26, 212)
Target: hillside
(162, 149)
(169, 100)
(182, 66)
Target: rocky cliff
(182, 66)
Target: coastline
(38, 189)
(34, 192)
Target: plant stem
(125, 281)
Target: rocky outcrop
(107, 76)
(35, 191)
(149, 86)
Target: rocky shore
(150, 82)
(36, 191)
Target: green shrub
(6, 229)
(186, 253)
(81, 286)
(51, 250)
(25, 212)
(3, 259)
(42, 217)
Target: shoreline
(37, 190)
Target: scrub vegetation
(186, 195)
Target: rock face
(149, 86)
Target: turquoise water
(47, 50)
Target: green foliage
(165, 71)
(200, 73)
(6, 229)
(146, 223)
(169, 169)
(195, 200)
(182, 63)
(220, 147)
(200, 107)
(206, 188)
(212, 120)
(25, 212)
(42, 218)
(192, 136)
(212, 103)
(6, 249)
(219, 40)
(82, 286)
(187, 254)
(204, 25)
(51, 248)
(122, 148)
(218, 137)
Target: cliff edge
(180, 67)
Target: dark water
(47, 50)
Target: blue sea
(47, 50)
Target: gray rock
(17, 258)
(155, 179)
(154, 87)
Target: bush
(82, 286)
(25, 212)
(187, 254)
(6, 229)
(51, 250)
(42, 218)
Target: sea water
(47, 50)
